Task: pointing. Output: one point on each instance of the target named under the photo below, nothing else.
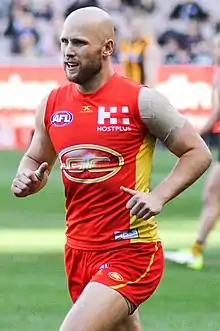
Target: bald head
(91, 21)
(87, 43)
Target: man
(103, 128)
(140, 55)
(193, 257)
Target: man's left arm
(178, 135)
(170, 127)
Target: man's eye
(64, 41)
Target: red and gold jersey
(101, 144)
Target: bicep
(160, 117)
(165, 123)
(41, 148)
(185, 139)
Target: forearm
(28, 162)
(188, 169)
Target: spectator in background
(139, 56)
(22, 29)
(28, 37)
(175, 53)
(175, 49)
(193, 34)
(44, 11)
(187, 47)
(129, 2)
(16, 14)
(148, 6)
(189, 10)
(80, 4)
(217, 28)
(202, 54)
(171, 50)
(28, 43)
(110, 5)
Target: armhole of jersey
(137, 118)
(49, 108)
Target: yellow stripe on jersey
(142, 276)
(147, 229)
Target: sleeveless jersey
(101, 144)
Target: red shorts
(133, 270)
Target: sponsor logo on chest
(113, 118)
(109, 119)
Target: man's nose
(69, 51)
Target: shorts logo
(89, 163)
(61, 118)
(116, 276)
(105, 266)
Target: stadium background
(33, 293)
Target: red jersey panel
(101, 144)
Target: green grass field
(33, 292)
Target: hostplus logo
(113, 119)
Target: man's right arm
(37, 162)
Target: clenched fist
(142, 204)
(28, 182)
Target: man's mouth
(71, 65)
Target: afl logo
(89, 163)
(61, 118)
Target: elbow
(206, 157)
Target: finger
(16, 190)
(25, 180)
(128, 190)
(131, 203)
(41, 170)
(142, 212)
(31, 175)
(148, 215)
(34, 178)
(20, 185)
(136, 208)
(20, 194)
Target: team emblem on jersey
(61, 118)
(89, 163)
(116, 276)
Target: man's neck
(95, 83)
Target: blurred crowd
(165, 31)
